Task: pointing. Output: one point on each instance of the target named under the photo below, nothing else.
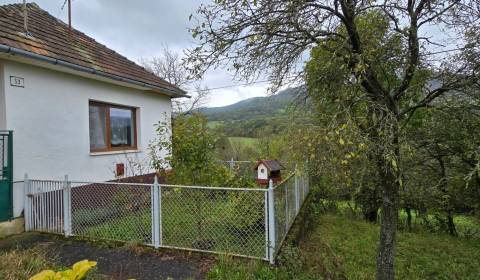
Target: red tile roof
(272, 164)
(50, 37)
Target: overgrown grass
(467, 226)
(340, 247)
(23, 264)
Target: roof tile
(50, 37)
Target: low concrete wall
(15, 226)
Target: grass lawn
(343, 248)
(195, 219)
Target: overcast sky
(138, 29)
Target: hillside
(252, 108)
(338, 246)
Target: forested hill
(253, 108)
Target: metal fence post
(26, 203)
(160, 217)
(156, 224)
(271, 223)
(287, 218)
(67, 208)
(297, 196)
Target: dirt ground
(117, 261)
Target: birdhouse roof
(272, 165)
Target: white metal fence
(243, 222)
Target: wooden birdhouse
(268, 170)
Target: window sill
(115, 152)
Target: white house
(75, 106)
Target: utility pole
(25, 17)
(70, 15)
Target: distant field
(213, 124)
(246, 141)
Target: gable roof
(51, 40)
(272, 165)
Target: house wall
(263, 175)
(50, 120)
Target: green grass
(340, 247)
(467, 226)
(194, 219)
(213, 124)
(245, 141)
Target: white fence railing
(243, 222)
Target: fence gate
(6, 175)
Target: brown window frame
(108, 131)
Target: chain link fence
(235, 221)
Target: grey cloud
(139, 29)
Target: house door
(6, 175)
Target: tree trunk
(388, 229)
(390, 180)
(448, 207)
(409, 218)
(452, 230)
(371, 216)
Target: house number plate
(17, 81)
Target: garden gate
(6, 175)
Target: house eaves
(174, 93)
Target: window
(112, 127)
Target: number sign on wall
(17, 81)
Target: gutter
(15, 51)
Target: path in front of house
(117, 262)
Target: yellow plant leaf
(341, 141)
(66, 275)
(44, 275)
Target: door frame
(6, 178)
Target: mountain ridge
(253, 107)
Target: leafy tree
(381, 65)
(190, 151)
(441, 154)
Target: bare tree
(272, 36)
(169, 66)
